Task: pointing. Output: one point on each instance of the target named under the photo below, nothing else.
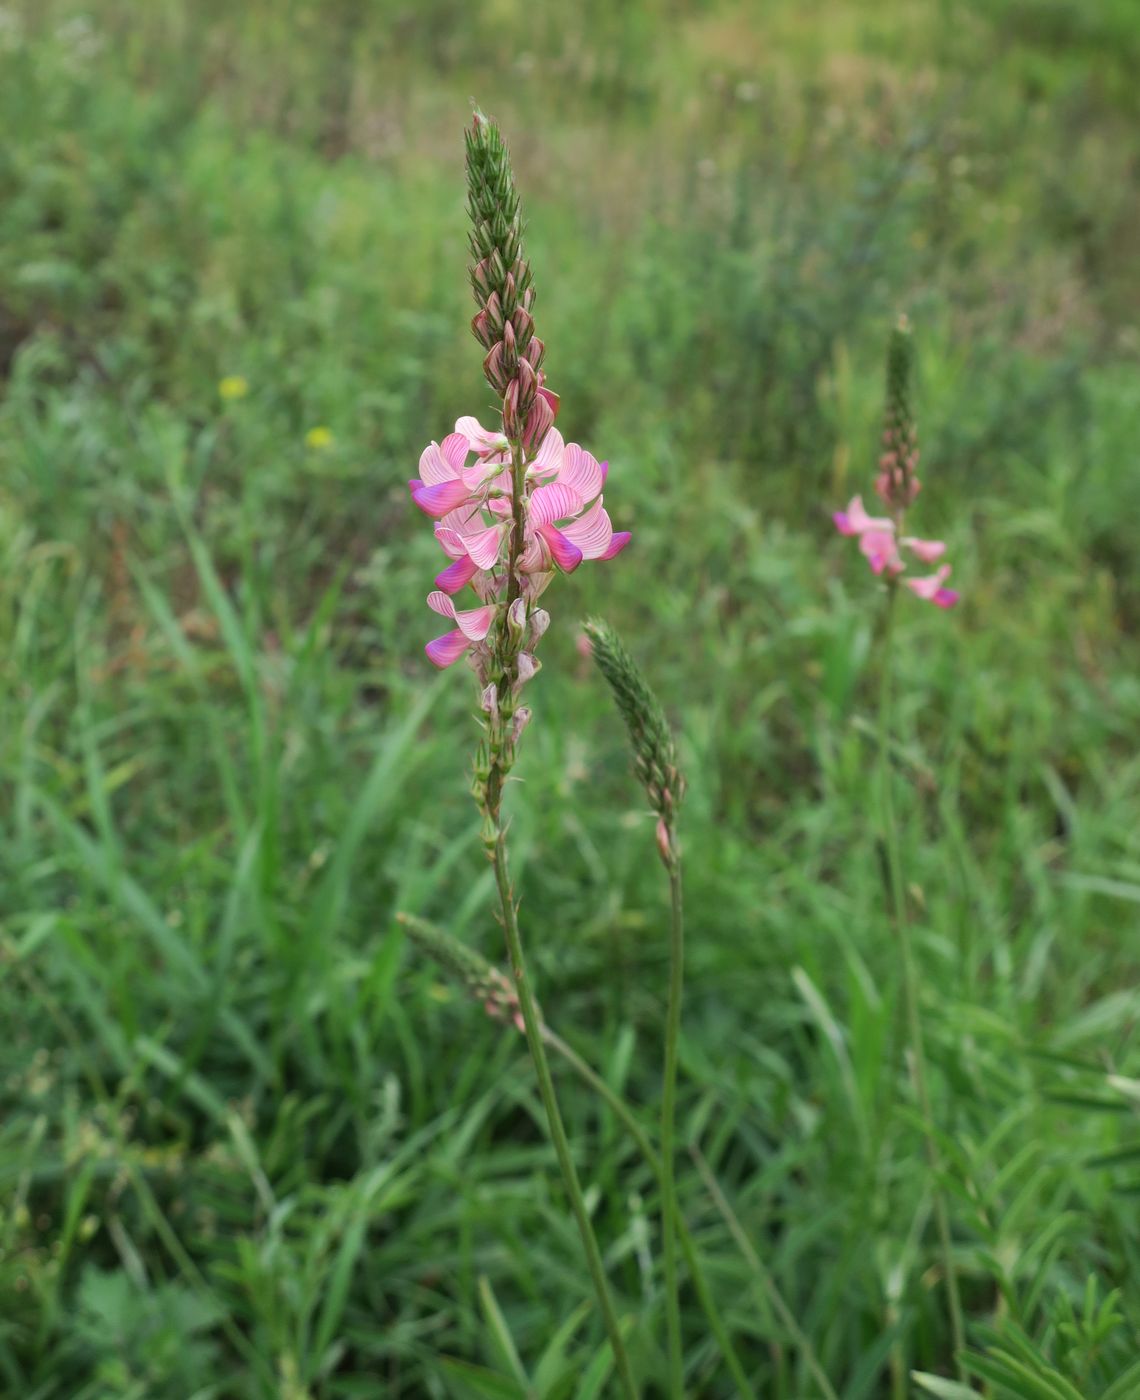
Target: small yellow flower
(319, 438)
(233, 387)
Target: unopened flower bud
(489, 701)
(538, 421)
(481, 280)
(519, 723)
(512, 424)
(483, 330)
(516, 620)
(528, 386)
(539, 622)
(510, 296)
(528, 667)
(495, 370)
(535, 350)
(523, 323)
(495, 314)
(510, 349)
(664, 843)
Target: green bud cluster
(900, 437)
(480, 979)
(501, 277)
(654, 751)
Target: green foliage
(250, 1148)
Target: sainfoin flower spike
(513, 503)
(881, 538)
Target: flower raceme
(883, 549)
(565, 522)
(881, 538)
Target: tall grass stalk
(910, 977)
(534, 1039)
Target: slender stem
(767, 1282)
(622, 1112)
(533, 1028)
(669, 1208)
(910, 987)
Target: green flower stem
(622, 1112)
(670, 1209)
(554, 1117)
(910, 984)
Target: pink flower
(931, 588)
(565, 521)
(473, 626)
(879, 543)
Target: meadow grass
(250, 1144)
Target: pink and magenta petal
(620, 539)
(446, 650)
(565, 553)
(441, 498)
(457, 575)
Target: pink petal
(484, 546)
(480, 439)
(439, 499)
(926, 550)
(434, 466)
(566, 553)
(580, 471)
(591, 532)
(474, 623)
(554, 502)
(454, 449)
(855, 520)
(929, 587)
(617, 544)
(446, 650)
(548, 460)
(945, 598)
(457, 575)
(604, 468)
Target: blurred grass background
(248, 1145)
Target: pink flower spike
(930, 588)
(617, 544)
(446, 650)
(438, 500)
(565, 552)
(926, 550)
(457, 575)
